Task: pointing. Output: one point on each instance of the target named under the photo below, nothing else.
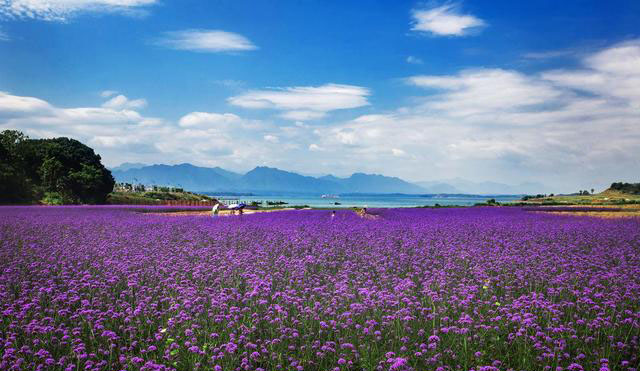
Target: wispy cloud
(564, 127)
(271, 138)
(12, 105)
(305, 102)
(314, 147)
(398, 152)
(123, 134)
(546, 127)
(414, 60)
(444, 20)
(551, 54)
(209, 41)
(303, 115)
(4, 36)
(230, 83)
(613, 73)
(478, 91)
(122, 102)
(108, 93)
(61, 10)
(207, 119)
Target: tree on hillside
(75, 172)
(633, 188)
(61, 168)
(14, 185)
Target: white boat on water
(330, 196)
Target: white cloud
(4, 36)
(60, 10)
(565, 128)
(12, 105)
(487, 91)
(211, 41)
(375, 118)
(206, 119)
(41, 119)
(303, 115)
(444, 20)
(121, 134)
(314, 147)
(346, 135)
(305, 102)
(97, 116)
(622, 59)
(121, 101)
(569, 128)
(612, 73)
(414, 60)
(271, 138)
(398, 152)
(108, 93)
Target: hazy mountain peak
(127, 166)
(262, 178)
(462, 185)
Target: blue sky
(510, 91)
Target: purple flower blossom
(112, 288)
(398, 363)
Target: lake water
(369, 200)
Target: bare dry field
(627, 211)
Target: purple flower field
(107, 288)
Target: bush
(633, 188)
(52, 198)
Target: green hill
(157, 198)
(628, 188)
(617, 194)
(53, 171)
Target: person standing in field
(362, 212)
(215, 210)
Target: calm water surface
(369, 200)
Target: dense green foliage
(154, 197)
(585, 192)
(14, 185)
(633, 188)
(59, 170)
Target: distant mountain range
(127, 166)
(266, 179)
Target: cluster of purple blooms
(573, 209)
(482, 289)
